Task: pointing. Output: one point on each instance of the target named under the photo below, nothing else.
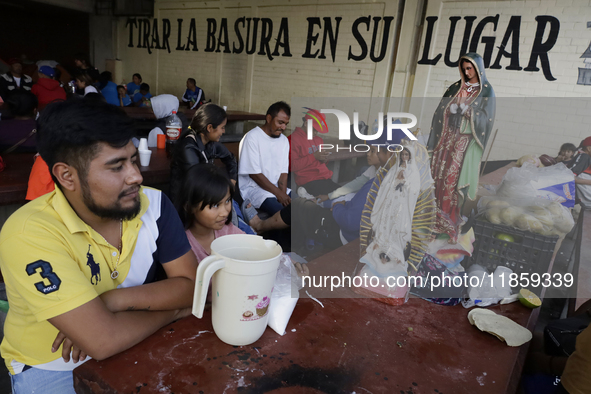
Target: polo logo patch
(95, 269)
(44, 269)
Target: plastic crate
(529, 253)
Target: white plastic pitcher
(243, 269)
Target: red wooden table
(350, 345)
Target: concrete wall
(253, 81)
(525, 125)
(78, 5)
(529, 31)
(102, 39)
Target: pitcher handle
(207, 267)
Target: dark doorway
(42, 32)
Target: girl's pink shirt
(198, 249)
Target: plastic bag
(554, 183)
(533, 214)
(285, 295)
(484, 289)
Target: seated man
(308, 162)
(80, 263)
(47, 89)
(264, 160)
(580, 165)
(14, 79)
(193, 96)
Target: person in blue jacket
(108, 88)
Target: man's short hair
(192, 80)
(145, 87)
(70, 131)
(279, 106)
(106, 76)
(137, 75)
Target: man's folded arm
(101, 333)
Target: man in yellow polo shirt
(80, 263)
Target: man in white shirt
(264, 162)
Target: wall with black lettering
(531, 48)
(246, 57)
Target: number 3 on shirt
(46, 273)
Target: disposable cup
(143, 144)
(145, 157)
(161, 141)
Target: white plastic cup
(225, 108)
(143, 144)
(145, 155)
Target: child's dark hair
(192, 80)
(204, 184)
(568, 146)
(145, 87)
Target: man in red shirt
(47, 89)
(308, 163)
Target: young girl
(207, 207)
(200, 144)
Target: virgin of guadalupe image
(397, 217)
(460, 130)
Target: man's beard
(116, 212)
(275, 136)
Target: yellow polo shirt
(53, 262)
